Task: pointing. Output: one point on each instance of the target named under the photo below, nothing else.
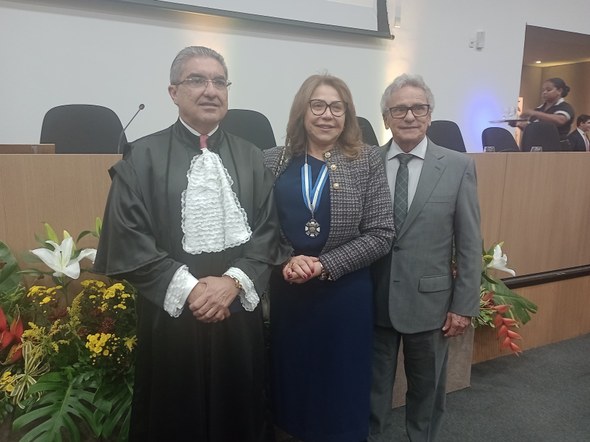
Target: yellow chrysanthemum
(96, 342)
(36, 290)
(7, 382)
(34, 333)
(130, 342)
(92, 283)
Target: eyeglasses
(202, 83)
(318, 107)
(418, 110)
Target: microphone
(141, 107)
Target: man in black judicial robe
(200, 355)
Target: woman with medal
(336, 213)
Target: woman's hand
(301, 268)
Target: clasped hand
(302, 268)
(210, 299)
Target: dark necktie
(400, 197)
(203, 141)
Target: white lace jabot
(212, 218)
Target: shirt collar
(194, 132)
(418, 151)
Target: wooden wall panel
(539, 205)
(67, 191)
(491, 174)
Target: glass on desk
(536, 148)
(510, 113)
(489, 148)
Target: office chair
(82, 128)
(447, 134)
(250, 125)
(367, 131)
(500, 138)
(541, 134)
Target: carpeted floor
(541, 396)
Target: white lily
(60, 258)
(499, 261)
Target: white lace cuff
(178, 290)
(248, 296)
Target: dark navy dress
(321, 332)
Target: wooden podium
(66, 191)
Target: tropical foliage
(66, 346)
(500, 307)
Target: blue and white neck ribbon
(312, 193)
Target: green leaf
(521, 308)
(113, 406)
(98, 226)
(51, 233)
(83, 234)
(65, 401)
(9, 277)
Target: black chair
(447, 134)
(541, 134)
(82, 128)
(250, 125)
(500, 138)
(367, 131)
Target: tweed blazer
(361, 211)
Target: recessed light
(538, 62)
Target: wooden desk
(539, 205)
(26, 148)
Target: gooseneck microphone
(141, 107)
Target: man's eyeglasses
(418, 110)
(202, 83)
(318, 107)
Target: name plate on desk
(27, 148)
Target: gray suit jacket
(414, 283)
(361, 212)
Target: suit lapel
(432, 170)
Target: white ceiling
(554, 47)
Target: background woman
(554, 109)
(336, 212)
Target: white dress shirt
(585, 138)
(414, 167)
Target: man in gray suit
(421, 298)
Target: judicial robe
(193, 381)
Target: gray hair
(404, 80)
(193, 52)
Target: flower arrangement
(66, 347)
(500, 307)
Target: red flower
(505, 335)
(11, 337)
(503, 308)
